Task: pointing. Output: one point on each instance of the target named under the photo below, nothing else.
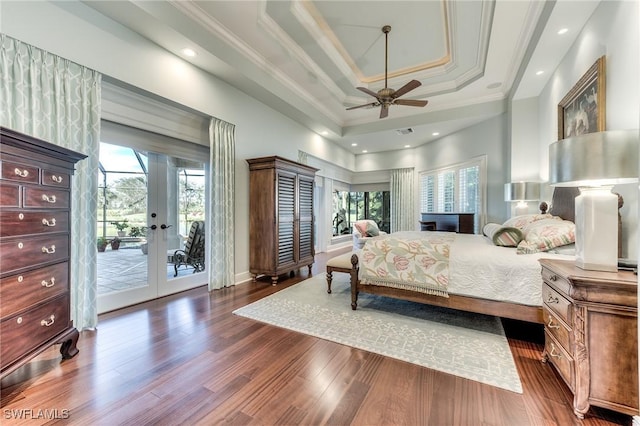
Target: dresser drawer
(556, 328)
(21, 291)
(9, 195)
(25, 222)
(560, 359)
(22, 333)
(19, 172)
(555, 279)
(557, 303)
(47, 198)
(57, 179)
(33, 251)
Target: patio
(126, 268)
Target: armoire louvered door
(286, 203)
(281, 222)
(305, 218)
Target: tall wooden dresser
(35, 221)
(281, 221)
(591, 334)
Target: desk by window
(453, 222)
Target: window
(457, 188)
(349, 207)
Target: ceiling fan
(387, 96)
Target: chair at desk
(193, 253)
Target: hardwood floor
(186, 359)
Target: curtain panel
(402, 200)
(221, 209)
(56, 100)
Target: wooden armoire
(281, 222)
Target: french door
(159, 200)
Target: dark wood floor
(185, 359)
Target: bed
(482, 277)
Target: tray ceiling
(306, 58)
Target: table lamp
(521, 192)
(595, 162)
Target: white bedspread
(478, 268)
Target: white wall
(119, 53)
(486, 138)
(612, 30)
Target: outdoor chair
(193, 253)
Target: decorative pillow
(522, 221)
(544, 235)
(504, 236)
(367, 228)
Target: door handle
(153, 227)
(163, 226)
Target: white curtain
(402, 200)
(221, 211)
(56, 100)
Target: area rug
(464, 344)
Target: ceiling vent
(406, 131)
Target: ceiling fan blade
(368, 92)
(384, 111)
(410, 102)
(372, 104)
(407, 88)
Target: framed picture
(582, 110)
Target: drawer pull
(19, 320)
(21, 173)
(20, 245)
(552, 299)
(50, 223)
(21, 216)
(49, 250)
(48, 322)
(551, 325)
(49, 198)
(56, 179)
(553, 354)
(553, 277)
(48, 284)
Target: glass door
(148, 205)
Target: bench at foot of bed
(341, 263)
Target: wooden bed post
(354, 281)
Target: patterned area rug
(468, 345)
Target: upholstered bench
(341, 263)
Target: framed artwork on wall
(582, 110)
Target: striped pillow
(545, 235)
(504, 236)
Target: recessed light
(189, 52)
(435, 133)
(563, 31)
(364, 151)
(354, 144)
(539, 72)
(407, 146)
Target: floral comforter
(408, 260)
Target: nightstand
(591, 334)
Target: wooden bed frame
(563, 205)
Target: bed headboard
(563, 202)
